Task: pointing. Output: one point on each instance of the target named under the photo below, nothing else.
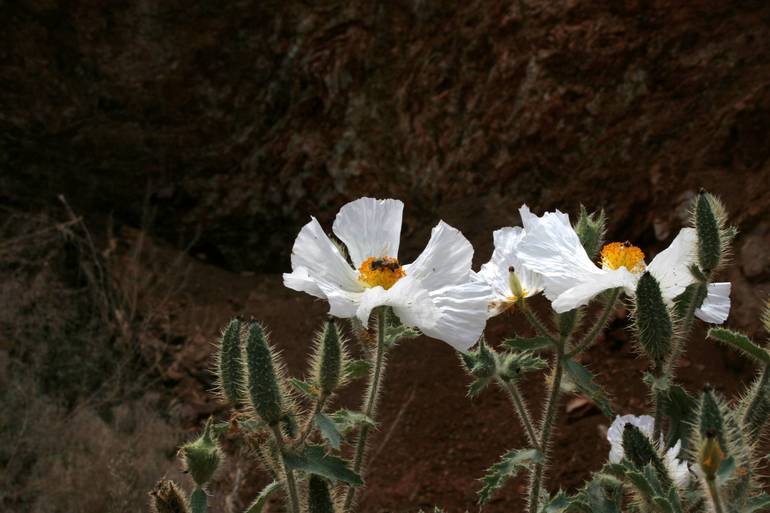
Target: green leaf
(307, 389)
(757, 504)
(357, 368)
(314, 460)
(259, 503)
(740, 342)
(478, 386)
(396, 333)
(558, 504)
(514, 365)
(508, 466)
(583, 379)
(347, 420)
(726, 469)
(680, 407)
(529, 344)
(657, 383)
(328, 430)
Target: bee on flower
(570, 279)
(436, 293)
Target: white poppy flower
(570, 279)
(497, 272)
(678, 469)
(436, 293)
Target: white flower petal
(315, 258)
(463, 314)
(410, 301)
(551, 248)
(645, 423)
(671, 267)
(677, 469)
(446, 260)
(370, 228)
(582, 294)
(342, 303)
(495, 272)
(716, 306)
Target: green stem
(370, 405)
(536, 323)
(716, 499)
(548, 419)
(686, 324)
(198, 501)
(291, 485)
(598, 326)
(522, 411)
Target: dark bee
(391, 265)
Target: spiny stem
(308, 427)
(545, 434)
(291, 485)
(686, 324)
(600, 324)
(370, 405)
(536, 323)
(522, 411)
(714, 492)
(659, 398)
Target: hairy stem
(370, 405)
(291, 485)
(536, 323)
(677, 344)
(545, 434)
(308, 427)
(598, 326)
(715, 498)
(522, 411)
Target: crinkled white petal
(671, 267)
(463, 314)
(496, 274)
(645, 423)
(409, 299)
(446, 260)
(370, 228)
(551, 248)
(716, 305)
(582, 294)
(342, 303)
(677, 469)
(315, 260)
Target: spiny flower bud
(262, 380)
(485, 365)
(230, 364)
(766, 317)
(639, 450)
(711, 420)
(653, 321)
(329, 359)
(202, 456)
(707, 225)
(711, 455)
(590, 228)
(318, 498)
(515, 283)
(199, 501)
(167, 498)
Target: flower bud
(653, 321)
(330, 359)
(590, 228)
(711, 455)
(262, 381)
(230, 364)
(202, 456)
(167, 498)
(318, 498)
(711, 420)
(639, 450)
(707, 225)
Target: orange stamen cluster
(622, 254)
(380, 272)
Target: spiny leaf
(328, 430)
(529, 344)
(680, 407)
(583, 379)
(757, 504)
(357, 368)
(259, 503)
(307, 389)
(740, 342)
(314, 460)
(347, 420)
(508, 466)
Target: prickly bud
(262, 380)
(202, 456)
(167, 498)
(515, 283)
(707, 224)
(653, 321)
(639, 450)
(199, 501)
(590, 229)
(230, 365)
(485, 365)
(329, 359)
(711, 455)
(318, 498)
(711, 420)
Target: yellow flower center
(380, 272)
(513, 297)
(622, 254)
